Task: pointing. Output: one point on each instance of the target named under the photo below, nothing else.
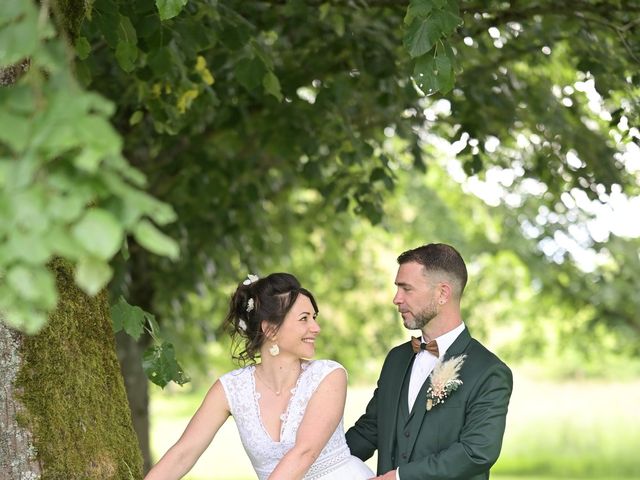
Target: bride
(288, 409)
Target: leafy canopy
(238, 126)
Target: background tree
(265, 125)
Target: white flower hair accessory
(250, 305)
(242, 325)
(444, 380)
(251, 278)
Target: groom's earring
(274, 351)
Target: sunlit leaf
(170, 8)
(18, 37)
(99, 233)
(92, 274)
(155, 241)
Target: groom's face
(415, 296)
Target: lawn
(570, 430)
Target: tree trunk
(64, 408)
(140, 292)
(17, 453)
(137, 386)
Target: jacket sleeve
(480, 440)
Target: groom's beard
(423, 317)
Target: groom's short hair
(439, 257)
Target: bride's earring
(274, 350)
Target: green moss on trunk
(74, 394)
(71, 13)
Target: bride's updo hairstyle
(269, 298)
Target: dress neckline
(284, 416)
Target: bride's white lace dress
(335, 461)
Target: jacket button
(404, 456)
(407, 434)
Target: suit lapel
(419, 409)
(459, 345)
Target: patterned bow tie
(431, 347)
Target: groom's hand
(387, 476)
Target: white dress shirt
(424, 363)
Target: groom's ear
(445, 292)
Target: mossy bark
(72, 393)
(70, 14)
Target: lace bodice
(264, 453)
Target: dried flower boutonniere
(444, 380)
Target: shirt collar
(445, 340)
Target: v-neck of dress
(283, 416)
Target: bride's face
(298, 332)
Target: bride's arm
(202, 427)
(321, 418)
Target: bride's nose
(315, 326)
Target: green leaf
(108, 21)
(126, 48)
(27, 247)
(33, 285)
(92, 274)
(128, 317)
(337, 23)
(126, 31)
(424, 75)
(83, 48)
(421, 37)
(19, 38)
(444, 72)
(61, 243)
(15, 130)
(249, 71)
(126, 55)
(99, 233)
(136, 117)
(418, 9)
(27, 320)
(271, 85)
(444, 22)
(161, 367)
(29, 209)
(155, 241)
(169, 8)
(12, 10)
(423, 33)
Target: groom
(449, 425)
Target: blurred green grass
(555, 430)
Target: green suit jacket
(457, 439)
